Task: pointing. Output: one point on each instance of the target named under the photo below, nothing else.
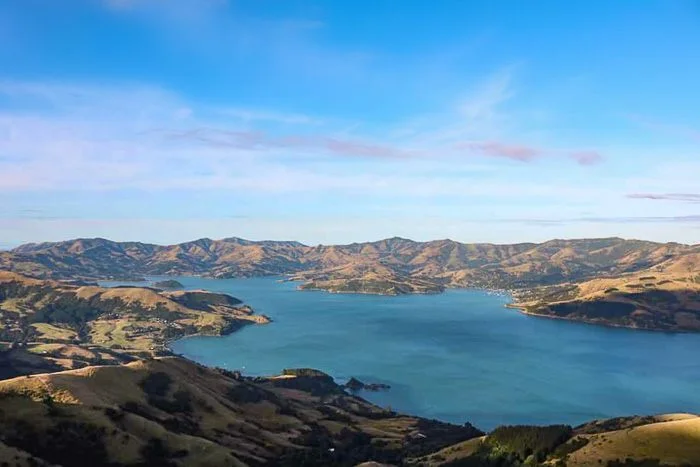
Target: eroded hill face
(50, 325)
(388, 266)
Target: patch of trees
(656, 296)
(156, 383)
(169, 284)
(180, 403)
(244, 393)
(574, 445)
(68, 442)
(597, 309)
(629, 462)
(309, 380)
(235, 374)
(156, 454)
(347, 448)
(203, 300)
(181, 425)
(521, 442)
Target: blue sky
(333, 122)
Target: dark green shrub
(156, 383)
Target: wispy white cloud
(484, 103)
(55, 136)
(685, 197)
(498, 149)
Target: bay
(458, 356)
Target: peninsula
(610, 281)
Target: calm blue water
(459, 356)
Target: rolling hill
(48, 325)
(171, 412)
(663, 297)
(600, 281)
(443, 263)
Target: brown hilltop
(169, 411)
(553, 261)
(665, 296)
(173, 412)
(400, 266)
(42, 322)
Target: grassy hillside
(668, 440)
(117, 405)
(173, 412)
(169, 411)
(49, 324)
(664, 297)
(608, 281)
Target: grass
(50, 332)
(111, 333)
(674, 442)
(450, 453)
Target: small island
(168, 284)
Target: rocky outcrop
(356, 385)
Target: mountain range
(445, 262)
(88, 386)
(614, 281)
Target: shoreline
(499, 292)
(522, 311)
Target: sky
(334, 122)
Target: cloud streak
(59, 137)
(685, 197)
(259, 140)
(520, 153)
